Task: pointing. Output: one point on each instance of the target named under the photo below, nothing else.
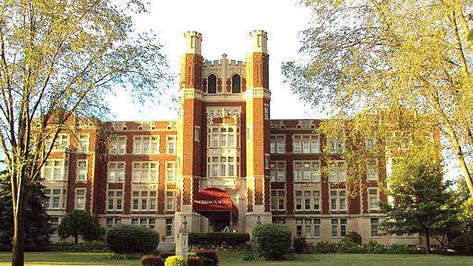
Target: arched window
(236, 83)
(212, 84)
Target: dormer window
(236, 83)
(212, 84)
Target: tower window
(236, 83)
(212, 84)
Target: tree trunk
(18, 256)
(427, 243)
(76, 239)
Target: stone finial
(260, 41)
(224, 56)
(193, 42)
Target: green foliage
(271, 241)
(355, 237)
(126, 239)
(175, 261)
(37, 228)
(346, 245)
(325, 247)
(462, 244)
(127, 256)
(87, 246)
(300, 245)
(218, 238)
(151, 260)
(422, 203)
(79, 222)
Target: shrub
(208, 262)
(165, 254)
(271, 241)
(209, 254)
(346, 245)
(88, 246)
(399, 249)
(463, 244)
(151, 260)
(251, 256)
(325, 247)
(374, 247)
(123, 239)
(218, 238)
(127, 256)
(77, 223)
(355, 237)
(195, 261)
(175, 261)
(300, 245)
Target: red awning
(212, 202)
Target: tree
(37, 230)
(59, 60)
(421, 200)
(359, 58)
(78, 223)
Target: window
(144, 172)
(115, 200)
(56, 198)
(277, 144)
(55, 169)
(170, 200)
(338, 200)
(309, 228)
(143, 201)
(61, 143)
(370, 143)
(221, 137)
(171, 144)
(372, 170)
(83, 143)
(117, 145)
(81, 170)
(54, 223)
(170, 171)
(197, 133)
(146, 145)
(266, 161)
(339, 228)
(212, 84)
(306, 144)
(278, 171)
(236, 83)
(374, 222)
(337, 172)
(221, 166)
(80, 199)
(278, 199)
(116, 172)
(307, 200)
(336, 146)
(113, 221)
(306, 171)
(266, 112)
(373, 199)
(146, 222)
(169, 227)
(279, 221)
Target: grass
(234, 259)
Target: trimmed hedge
(126, 239)
(195, 261)
(151, 260)
(347, 245)
(271, 241)
(88, 246)
(209, 254)
(218, 238)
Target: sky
(225, 26)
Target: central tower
(223, 139)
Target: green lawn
(234, 259)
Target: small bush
(463, 244)
(175, 261)
(151, 260)
(122, 239)
(325, 247)
(218, 238)
(300, 245)
(355, 237)
(399, 249)
(271, 241)
(209, 254)
(88, 246)
(208, 262)
(346, 245)
(195, 261)
(374, 247)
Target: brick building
(223, 165)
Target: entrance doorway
(217, 206)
